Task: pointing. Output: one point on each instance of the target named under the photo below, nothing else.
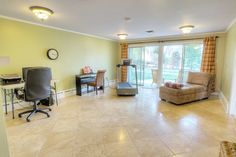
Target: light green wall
(26, 45)
(220, 52)
(229, 62)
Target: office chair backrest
(24, 72)
(100, 77)
(37, 83)
(25, 69)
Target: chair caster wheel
(48, 115)
(27, 120)
(19, 116)
(50, 109)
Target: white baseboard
(215, 94)
(72, 91)
(60, 95)
(19, 104)
(66, 93)
(110, 83)
(224, 101)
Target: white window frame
(161, 51)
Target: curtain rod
(161, 41)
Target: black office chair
(37, 87)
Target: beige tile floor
(111, 126)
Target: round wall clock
(52, 54)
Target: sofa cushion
(199, 78)
(187, 89)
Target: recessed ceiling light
(122, 36)
(150, 31)
(186, 29)
(41, 12)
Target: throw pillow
(174, 85)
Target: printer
(6, 79)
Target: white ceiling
(105, 18)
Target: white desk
(11, 87)
(54, 86)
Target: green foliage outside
(146, 58)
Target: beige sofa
(198, 87)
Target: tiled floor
(111, 126)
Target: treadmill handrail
(118, 74)
(132, 65)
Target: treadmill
(126, 88)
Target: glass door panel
(192, 58)
(137, 56)
(172, 63)
(151, 65)
(157, 64)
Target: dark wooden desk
(83, 79)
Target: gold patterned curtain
(124, 55)
(208, 57)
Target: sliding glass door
(172, 62)
(178, 60)
(192, 58)
(138, 58)
(167, 62)
(151, 65)
(146, 59)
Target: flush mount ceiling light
(41, 12)
(122, 36)
(186, 29)
(150, 31)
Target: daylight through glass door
(146, 59)
(167, 62)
